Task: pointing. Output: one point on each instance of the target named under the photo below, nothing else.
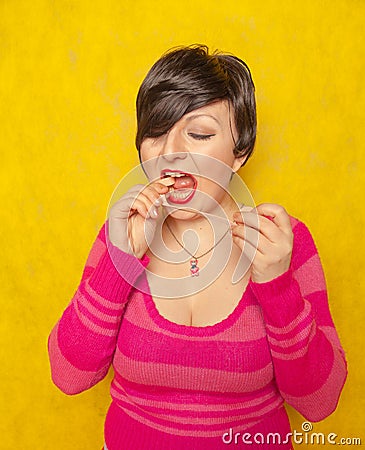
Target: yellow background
(69, 74)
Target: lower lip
(171, 198)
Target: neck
(183, 219)
(210, 227)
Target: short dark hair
(187, 78)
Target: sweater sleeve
(309, 363)
(82, 343)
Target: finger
(278, 214)
(122, 207)
(260, 223)
(139, 206)
(154, 193)
(124, 211)
(241, 213)
(148, 195)
(152, 199)
(160, 187)
(169, 181)
(152, 203)
(250, 251)
(251, 236)
(252, 218)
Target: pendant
(194, 269)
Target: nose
(173, 146)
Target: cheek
(148, 161)
(147, 155)
(229, 157)
(224, 152)
(149, 147)
(143, 152)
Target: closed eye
(201, 137)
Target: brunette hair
(187, 78)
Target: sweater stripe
(316, 282)
(198, 433)
(292, 338)
(309, 405)
(64, 372)
(185, 396)
(184, 377)
(295, 351)
(291, 326)
(184, 401)
(94, 256)
(227, 355)
(249, 322)
(193, 412)
(103, 304)
(183, 421)
(101, 318)
(93, 323)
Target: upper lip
(165, 171)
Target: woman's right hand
(132, 219)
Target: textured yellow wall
(69, 74)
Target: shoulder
(102, 232)
(304, 246)
(100, 242)
(294, 221)
(299, 228)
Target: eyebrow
(195, 116)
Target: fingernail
(157, 202)
(154, 212)
(169, 181)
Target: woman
(211, 330)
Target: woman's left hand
(272, 238)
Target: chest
(196, 300)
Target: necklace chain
(187, 251)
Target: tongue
(184, 183)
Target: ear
(237, 163)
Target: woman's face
(198, 149)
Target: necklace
(194, 269)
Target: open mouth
(184, 187)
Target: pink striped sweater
(186, 388)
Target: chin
(182, 215)
(201, 203)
